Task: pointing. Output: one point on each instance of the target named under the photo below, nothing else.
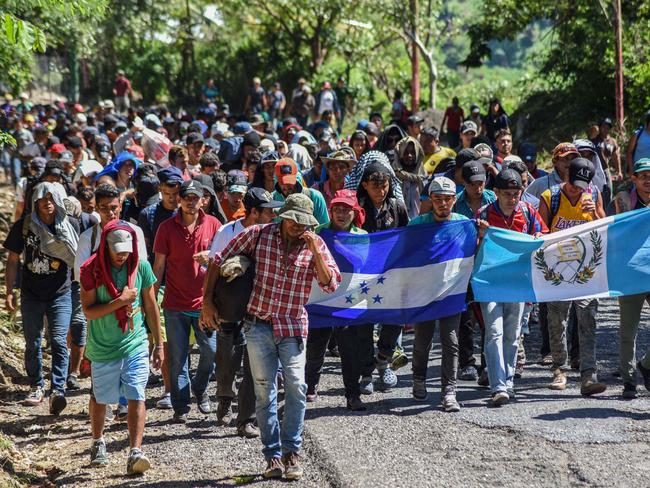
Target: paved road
(543, 439)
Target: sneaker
(547, 360)
(312, 394)
(224, 415)
(165, 402)
(355, 404)
(110, 415)
(629, 391)
(468, 373)
(35, 397)
(73, 383)
(559, 380)
(292, 468)
(449, 402)
(365, 386)
(248, 430)
(274, 468)
(387, 379)
(483, 380)
(179, 418)
(57, 403)
(645, 373)
(511, 393)
(137, 462)
(98, 455)
(420, 391)
(399, 360)
(519, 370)
(575, 364)
(203, 401)
(591, 387)
(122, 412)
(500, 398)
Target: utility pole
(620, 111)
(415, 59)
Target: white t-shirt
(84, 250)
(326, 101)
(225, 234)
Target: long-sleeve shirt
(283, 278)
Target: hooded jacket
(382, 142)
(393, 212)
(412, 181)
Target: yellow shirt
(567, 215)
(432, 161)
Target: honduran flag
(399, 276)
(607, 257)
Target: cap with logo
(508, 179)
(581, 172)
(441, 185)
(469, 126)
(473, 171)
(528, 152)
(191, 187)
(120, 240)
(260, 198)
(641, 165)
(286, 171)
(236, 181)
(299, 208)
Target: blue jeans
(502, 329)
(78, 327)
(178, 341)
(266, 352)
(58, 311)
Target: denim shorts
(127, 377)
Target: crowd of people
(128, 219)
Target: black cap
(251, 139)
(206, 182)
(465, 155)
(193, 137)
(508, 179)
(260, 198)
(581, 172)
(191, 187)
(74, 141)
(414, 120)
(528, 152)
(473, 171)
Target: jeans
(78, 327)
(422, 346)
(178, 342)
(388, 338)
(231, 349)
(266, 353)
(630, 309)
(502, 328)
(58, 311)
(558, 314)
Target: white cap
(441, 185)
(81, 118)
(120, 241)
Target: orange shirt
(235, 214)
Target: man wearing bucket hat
(288, 258)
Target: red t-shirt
(454, 118)
(183, 275)
(122, 86)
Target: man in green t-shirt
(116, 287)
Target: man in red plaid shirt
(288, 257)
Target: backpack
(556, 193)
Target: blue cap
(242, 128)
(170, 174)
(528, 152)
(641, 165)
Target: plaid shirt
(280, 290)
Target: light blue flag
(607, 257)
(406, 275)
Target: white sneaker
(35, 397)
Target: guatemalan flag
(399, 276)
(607, 257)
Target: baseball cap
(286, 171)
(38, 163)
(641, 165)
(528, 152)
(607, 121)
(256, 119)
(251, 139)
(469, 126)
(564, 149)
(270, 157)
(120, 240)
(508, 179)
(109, 104)
(474, 108)
(236, 181)
(66, 156)
(191, 187)
(581, 172)
(414, 120)
(260, 198)
(170, 175)
(441, 185)
(299, 208)
(153, 119)
(193, 137)
(473, 171)
(206, 182)
(242, 128)
(513, 158)
(57, 148)
(372, 129)
(465, 155)
(484, 150)
(103, 149)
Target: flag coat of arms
(606, 257)
(399, 276)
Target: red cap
(349, 199)
(286, 171)
(57, 148)
(78, 108)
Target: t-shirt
(455, 117)
(184, 276)
(428, 218)
(232, 214)
(353, 229)
(122, 86)
(326, 101)
(277, 98)
(224, 235)
(106, 341)
(462, 205)
(432, 161)
(43, 277)
(567, 215)
(257, 99)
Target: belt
(256, 320)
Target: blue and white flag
(607, 257)
(406, 275)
